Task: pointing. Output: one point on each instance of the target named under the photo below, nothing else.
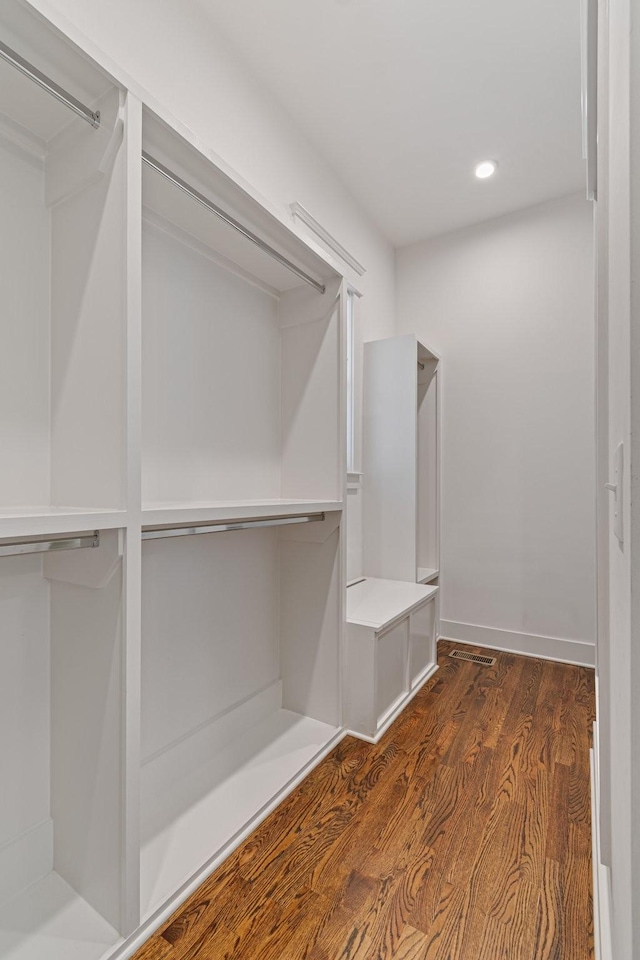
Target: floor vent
(473, 657)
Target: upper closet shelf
(32, 521)
(220, 510)
(182, 190)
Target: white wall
(175, 52)
(508, 305)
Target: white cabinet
(391, 651)
(176, 387)
(401, 449)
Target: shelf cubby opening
(62, 264)
(241, 358)
(240, 686)
(61, 741)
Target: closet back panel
(210, 630)
(427, 490)
(61, 729)
(62, 256)
(211, 378)
(310, 589)
(88, 259)
(389, 445)
(24, 697)
(311, 393)
(87, 737)
(24, 332)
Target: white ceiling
(404, 97)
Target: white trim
(602, 941)
(297, 210)
(405, 700)
(351, 383)
(530, 645)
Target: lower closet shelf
(49, 920)
(190, 820)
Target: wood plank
(464, 834)
(155, 949)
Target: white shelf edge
(399, 612)
(425, 575)
(153, 514)
(53, 520)
(297, 210)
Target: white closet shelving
(62, 469)
(401, 447)
(241, 383)
(62, 386)
(160, 373)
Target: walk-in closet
(317, 470)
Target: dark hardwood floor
(463, 835)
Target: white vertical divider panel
(86, 191)
(389, 444)
(132, 680)
(342, 466)
(86, 722)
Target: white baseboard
(530, 645)
(603, 944)
(26, 859)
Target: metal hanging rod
(49, 85)
(219, 212)
(18, 547)
(160, 533)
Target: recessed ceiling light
(486, 169)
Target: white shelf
(377, 603)
(154, 514)
(35, 520)
(49, 920)
(426, 574)
(217, 801)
